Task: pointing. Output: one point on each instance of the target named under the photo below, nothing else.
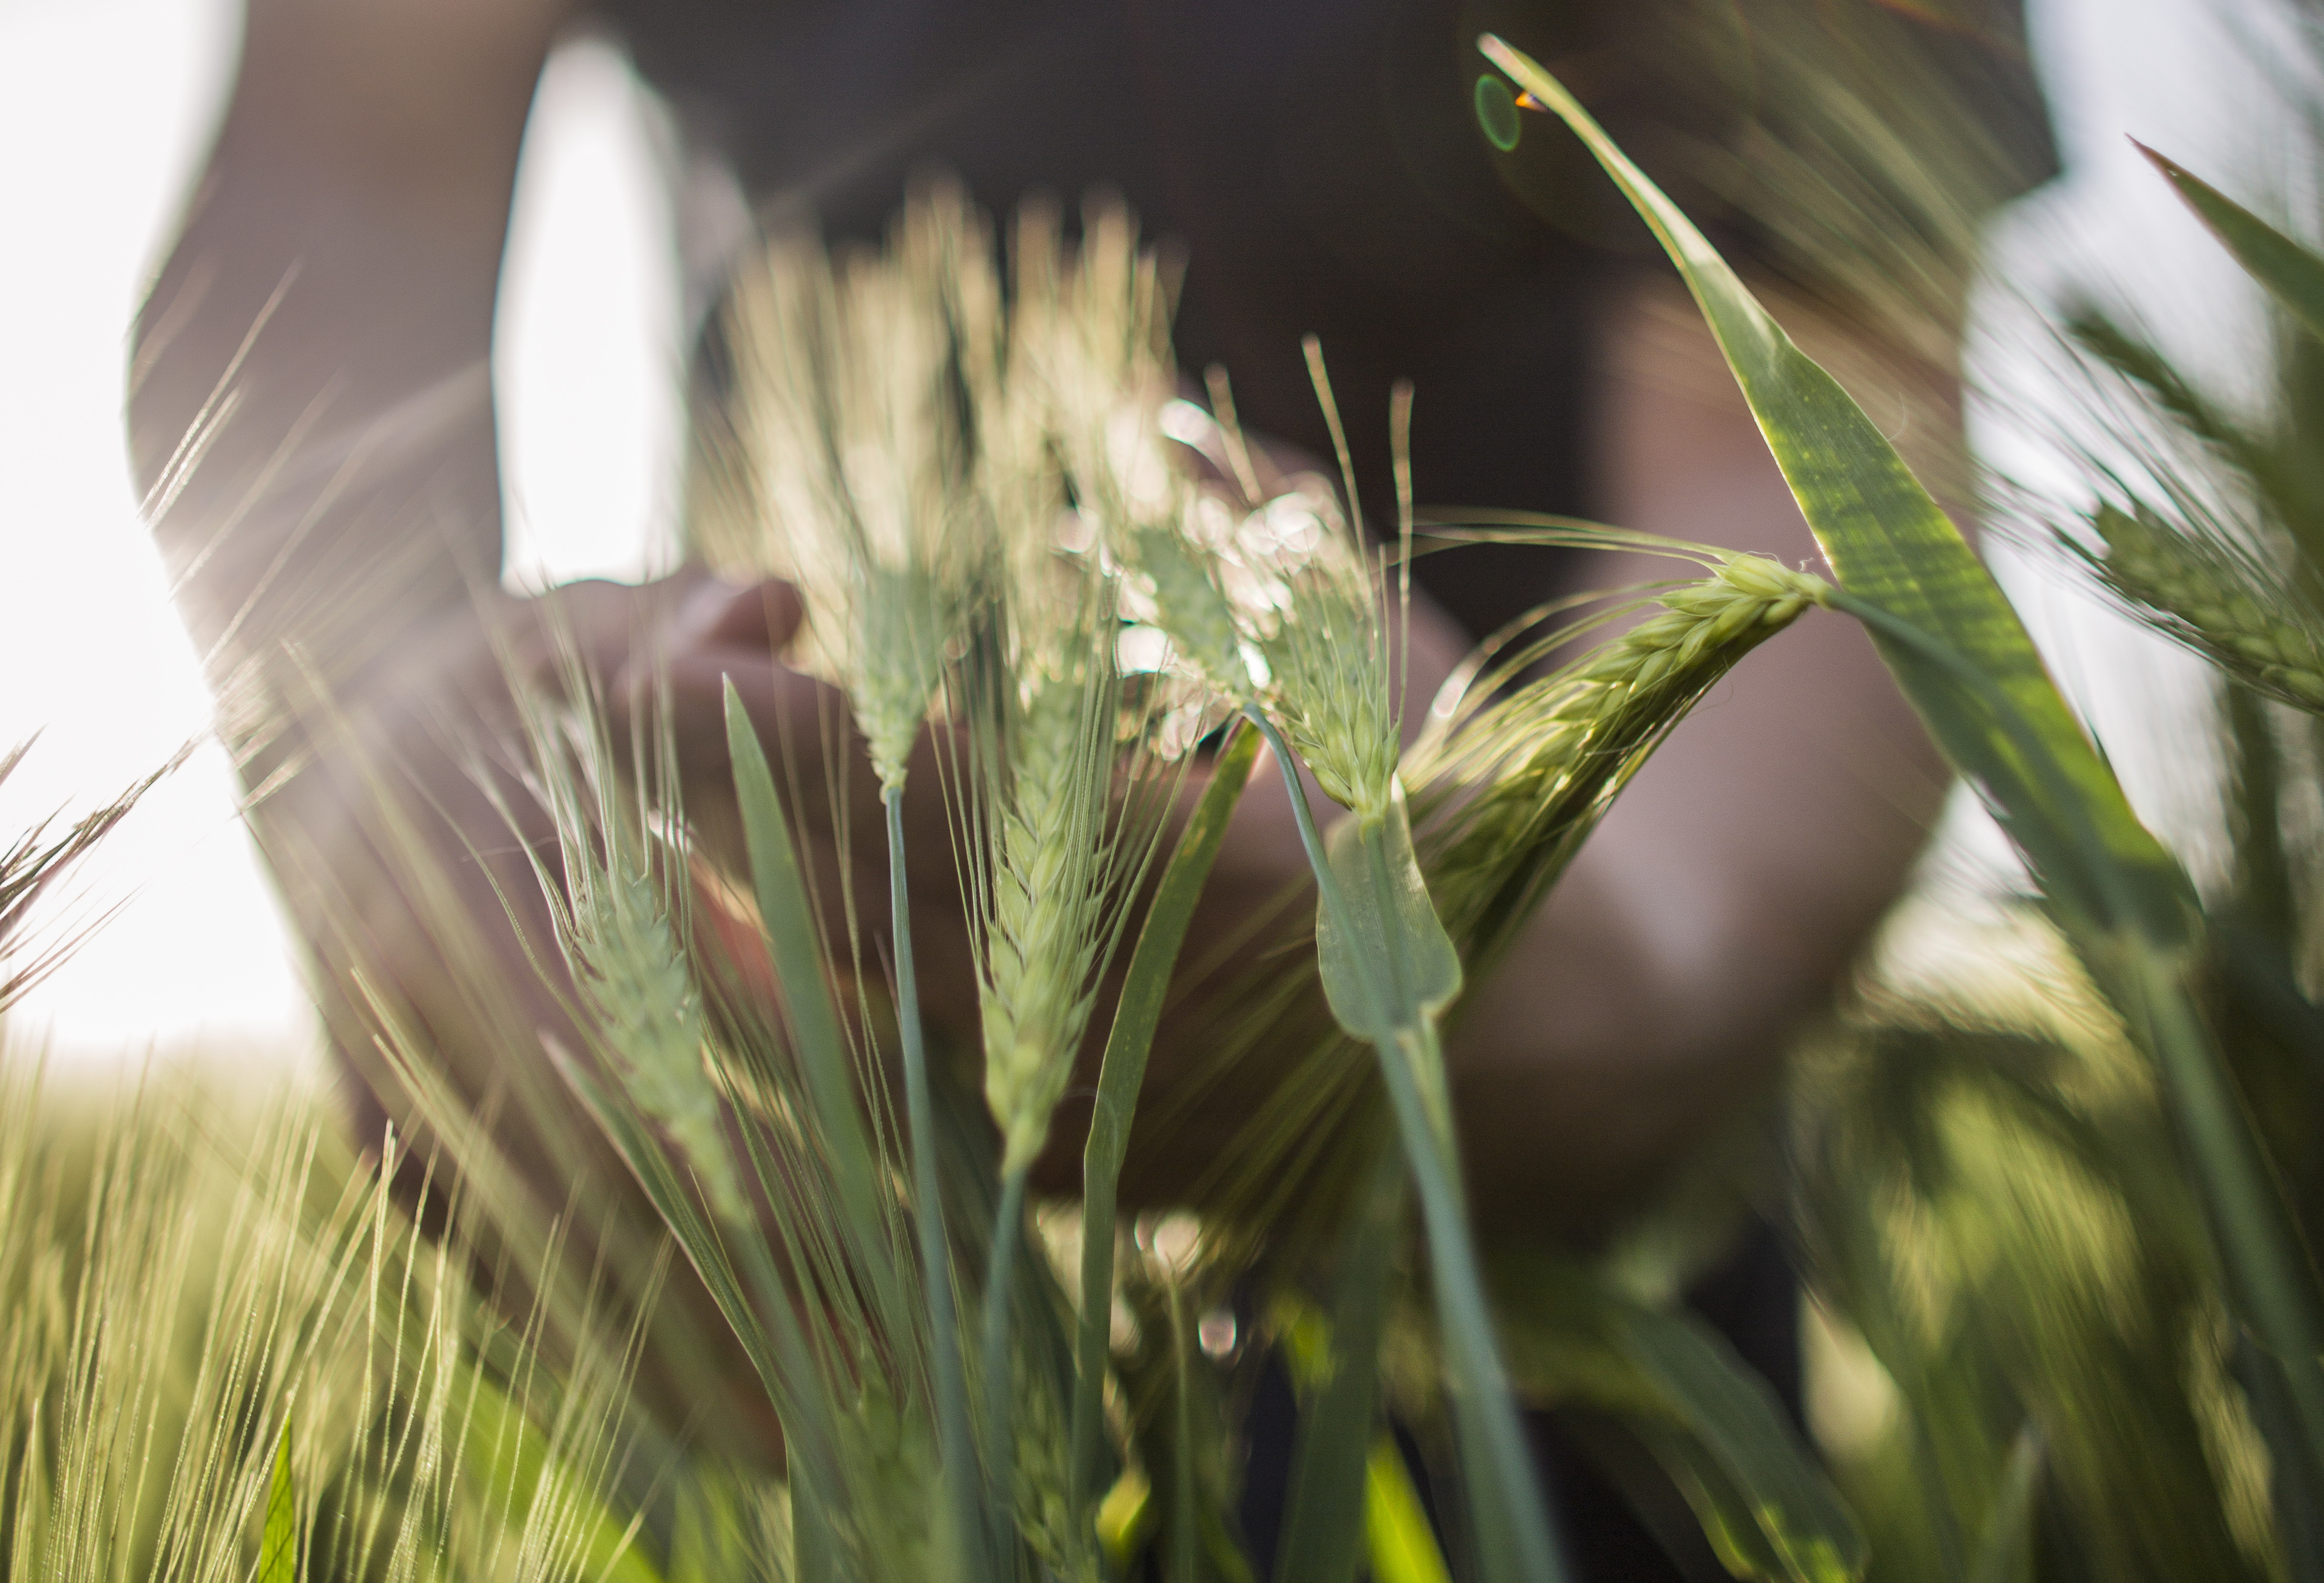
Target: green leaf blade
(1329, 1514)
(794, 950)
(1384, 957)
(278, 1547)
(1796, 1518)
(1122, 1073)
(1757, 1491)
(1893, 547)
(2292, 273)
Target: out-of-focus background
(107, 107)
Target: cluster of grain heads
(864, 478)
(988, 511)
(2219, 599)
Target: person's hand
(716, 634)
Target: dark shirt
(1321, 162)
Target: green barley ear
(1047, 899)
(637, 982)
(858, 420)
(1511, 787)
(1191, 608)
(1066, 814)
(2217, 599)
(1329, 687)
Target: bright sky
(105, 108)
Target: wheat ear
(2223, 604)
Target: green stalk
(1504, 1494)
(956, 1448)
(1185, 1562)
(999, 1281)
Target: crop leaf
(795, 949)
(1334, 1487)
(278, 1547)
(2293, 275)
(1964, 660)
(1712, 1424)
(1120, 1076)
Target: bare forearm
(310, 402)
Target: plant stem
(1504, 1491)
(956, 1450)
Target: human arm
(310, 397)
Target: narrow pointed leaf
(278, 1548)
(2293, 275)
(795, 948)
(1891, 546)
(1120, 1076)
(515, 1456)
(1712, 1424)
(1398, 1543)
(1785, 1511)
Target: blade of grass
(996, 1371)
(1398, 1543)
(1784, 1515)
(512, 1454)
(2292, 273)
(795, 949)
(960, 1531)
(1676, 1388)
(278, 1550)
(1183, 1557)
(1120, 1076)
(1943, 622)
(1891, 545)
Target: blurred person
(311, 394)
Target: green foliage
(1716, 1429)
(1120, 1077)
(1961, 654)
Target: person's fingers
(764, 615)
(792, 712)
